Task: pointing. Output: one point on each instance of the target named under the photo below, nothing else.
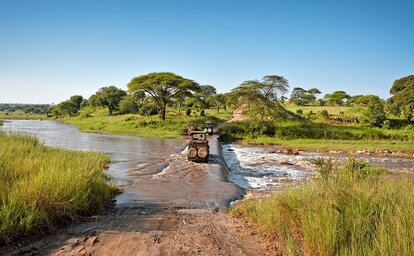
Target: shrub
(149, 110)
(188, 112)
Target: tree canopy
(401, 103)
(108, 97)
(262, 94)
(300, 96)
(337, 97)
(163, 87)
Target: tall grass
(355, 210)
(42, 186)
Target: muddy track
(149, 231)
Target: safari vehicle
(198, 148)
(208, 126)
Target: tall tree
(401, 103)
(337, 97)
(217, 100)
(297, 95)
(65, 108)
(108, 97)
(300, 96)
(77, 99)
(207, 90)
(262, 94)
(314, 91)
(163, 87)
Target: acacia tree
(108, 97)
(337, 97)
(262, 94)
(217, 100)
(163, 87)
(401, 103)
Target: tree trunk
(163, 110)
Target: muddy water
(152, 172)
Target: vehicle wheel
(202, 152)
(192, 152)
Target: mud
(149, 231)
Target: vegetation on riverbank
(146, 126)
(21, 116)
(41, 187)
(319, 136)
(350, 146)
(353, 210)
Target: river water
(155, 172)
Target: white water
(260, 169)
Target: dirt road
(149, 231)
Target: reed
(41, 186)
(354, 210)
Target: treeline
(25, 108)
(303, 97)
(150, 94)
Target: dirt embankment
(146, 231)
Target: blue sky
(50, 50)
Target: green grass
(332, 110)
(355, 210)
(41, 187)
(173, 127)
(317, 136)
(21, 116)
(330, 145)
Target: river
(154, 172)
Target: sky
(51, 50)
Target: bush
(202, 113)
(149, 110)
(188, 112)
(375, 113)
(128, 106)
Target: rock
(290, 151)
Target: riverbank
(173, 127)
(369, 147)
(353, 210)
(323, 137)
(42, 187)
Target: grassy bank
(354, 210)
(317, 136)
(21, 116)
(350, 146)
(332, 110)
(173, 127)
(42, 186)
